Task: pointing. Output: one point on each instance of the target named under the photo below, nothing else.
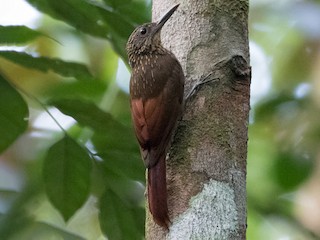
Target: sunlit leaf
(292, 64)
(117, 219)
(13, 114)
(66, 173)
(44, 64)
(110, 64)
(13, 35)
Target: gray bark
(206, 169)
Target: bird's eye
(143, 31)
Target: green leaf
(14, 35)
(113, 21)
(16, 218)
(117, 159)
(117, 24)
(42, 230)
(130, 191)
(66, 172)
(136, 12)
(108, 131)
(44, 64)
(122, 19)
(117, 219)
(116, 3)
(87, 114)
(110, 63)
(13, 114)
(114, 142)
(80, 14)
(93, 90)
(291, 170)
(268, 108)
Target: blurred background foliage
(79, 175)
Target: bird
(156, 103)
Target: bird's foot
(203, 80)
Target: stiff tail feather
(157, 193)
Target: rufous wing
(155, 115)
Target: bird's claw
(203, 80)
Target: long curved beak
(165, 18)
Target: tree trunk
(206, 169)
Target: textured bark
(206, 168)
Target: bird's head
(146, 38)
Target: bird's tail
(157, 193)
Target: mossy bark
(206, 168)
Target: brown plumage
(156, 98)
